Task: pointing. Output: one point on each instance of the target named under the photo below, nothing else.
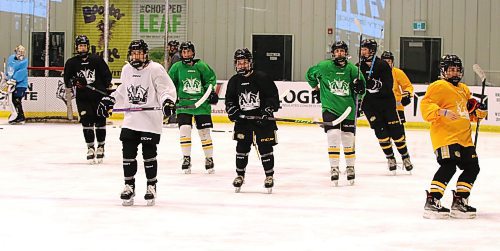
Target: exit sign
(419, 26)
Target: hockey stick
(480, 73)
(357, 101)
(199, 102)
(299, 121)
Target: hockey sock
(442, 177)
(386, 146)
(185, 139)
(100, 133)
(149, 153)
(242, 150)
(349, 149)
(463, 189)
(88, 134)
(267, 158)
(401, 146)
(333, 137)
(129, 170)
(206, 142)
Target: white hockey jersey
(147, 87)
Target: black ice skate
(91, 155)
(391, 162)
(150, 195)
(128, 195)
(334, 172)
(350, 174)
(20, 120)
(433, 208)
(238, 182)
(209, 165)
(460, 208)
(186, 164)
(99, 154)
(408, 166)
(269, 183)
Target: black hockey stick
(300, 121)
(357, 101)
(480, 73)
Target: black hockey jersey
(94, 71)
(381, 94)
(252, 94)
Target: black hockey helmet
(140, 45)
(371, 44)
(187, 46)
(82, 39)
(340, 45)
(173, 43)
(340, 61)
(387, 55)
(243, 54)
(447, 61)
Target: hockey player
(338, 85)
(173, 57)
(379, 105)
(402, 87)
(144, 84)
(17, 79)
(192, 78)
(173, 53)
(252, 93)
(82, 70)
(448, 105)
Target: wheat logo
(61, 92)
(339, 87)
(249, 101)
(191, 86)
(137, 95)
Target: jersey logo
(191, 86)
(88, 74)
(376, 87)
(137, 95)
(249, 101)
(339, 87)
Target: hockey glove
(315, 93)
(472, 105)
(168, 107)
(213, 98)
(481, 111)
(233, 113)
(406, 99)
(11, 82)
(267, 112)
(105, 107)
(358, 86)
(79, 82)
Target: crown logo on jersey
(88, 74)
(137, 95)
(249, 101)
(191, 86)
(339, 87)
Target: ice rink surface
(51, 199)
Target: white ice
(51, 199)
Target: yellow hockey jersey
(444, 95)
(401, 83)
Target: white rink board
(42, 96)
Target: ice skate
(334, 171)
(433, 208)
(128, 195)
(100, 154)
(186, 164)
(238, 182)
(269, 183)
(209, 165)
(150, 195)
(350, 174)
(408, 166)
(91, 155)
(460, 208)
(391, 162)
(18, 121)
